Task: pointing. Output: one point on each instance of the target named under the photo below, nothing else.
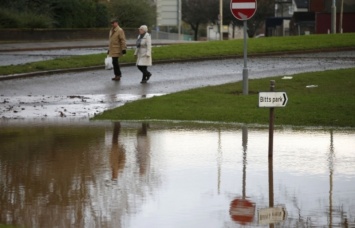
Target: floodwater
(129, 174)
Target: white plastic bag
(108, 63)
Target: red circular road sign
(243, 9)
(242, 211)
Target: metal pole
(271, 123)
(245, 69)
(341, 17)
(179, 19)
(334, 17)
(221, 19)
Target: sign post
(271, 100)
(244, 10)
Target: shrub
(31, 20)
(9, 19)
(14, 19)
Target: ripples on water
(102, 174)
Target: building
(303, 17)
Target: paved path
(35, 46)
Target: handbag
(108, 63)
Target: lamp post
(334, 16)
(221, 19)
(341, 17)
(179, 19)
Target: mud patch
(46, 106)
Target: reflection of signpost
(242, 211)
(272, 215)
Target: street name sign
(243, 9)
(272, 99)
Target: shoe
(148, 75)
(116, 78)
(144, 79)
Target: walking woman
(143, 52)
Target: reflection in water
(143, 149)
(61, 175)
(118, 155)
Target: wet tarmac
(20, 53)
(84, 94)
(22, 57)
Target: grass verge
(332, 103)
(210, 49)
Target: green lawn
(332, 103)
(210, 49)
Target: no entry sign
(243, 9)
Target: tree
(197, 12)
(133, 13)
(25, 14)
(74, 14)
(265, 9)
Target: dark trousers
(116, 66)
(144, 70)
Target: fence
(77, 34)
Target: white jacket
(144, 52)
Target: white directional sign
(272, 99)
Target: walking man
(117, 47)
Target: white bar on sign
(243, 5)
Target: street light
(334, 17)
(221, 19)
(341, 17)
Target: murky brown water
(102, 174)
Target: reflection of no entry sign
(242, 211)
(243, 9)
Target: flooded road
(101, 174)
